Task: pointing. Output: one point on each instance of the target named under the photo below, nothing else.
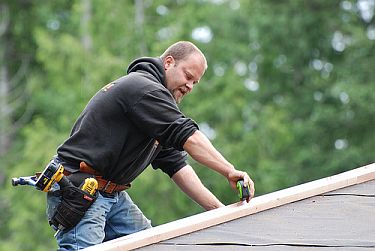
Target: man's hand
(235, 175)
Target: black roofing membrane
(339, 220)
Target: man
(130, 123)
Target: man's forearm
(201, 149)
(189, 183)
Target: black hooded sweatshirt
(128, 124)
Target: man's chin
(178, 98)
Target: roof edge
(238, 210)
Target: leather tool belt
(104, 185)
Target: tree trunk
(85, 24)
(4, 83)
(139, 23)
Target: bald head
(184, 65)
(182, 50)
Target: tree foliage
(287, 96)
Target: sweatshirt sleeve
(157, 115)
(170, 160)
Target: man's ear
(168, 62)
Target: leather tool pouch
(74, 204)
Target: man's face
(181, 76)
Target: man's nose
(190, 86)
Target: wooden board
(237, 210)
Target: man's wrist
(229, 169)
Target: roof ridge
(238, 210)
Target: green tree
(287, 95)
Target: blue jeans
(108, 218)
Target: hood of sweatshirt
(153, 66)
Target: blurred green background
(288, 96)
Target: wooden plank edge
(238, 210)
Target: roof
(341, 219)
(336, 211)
